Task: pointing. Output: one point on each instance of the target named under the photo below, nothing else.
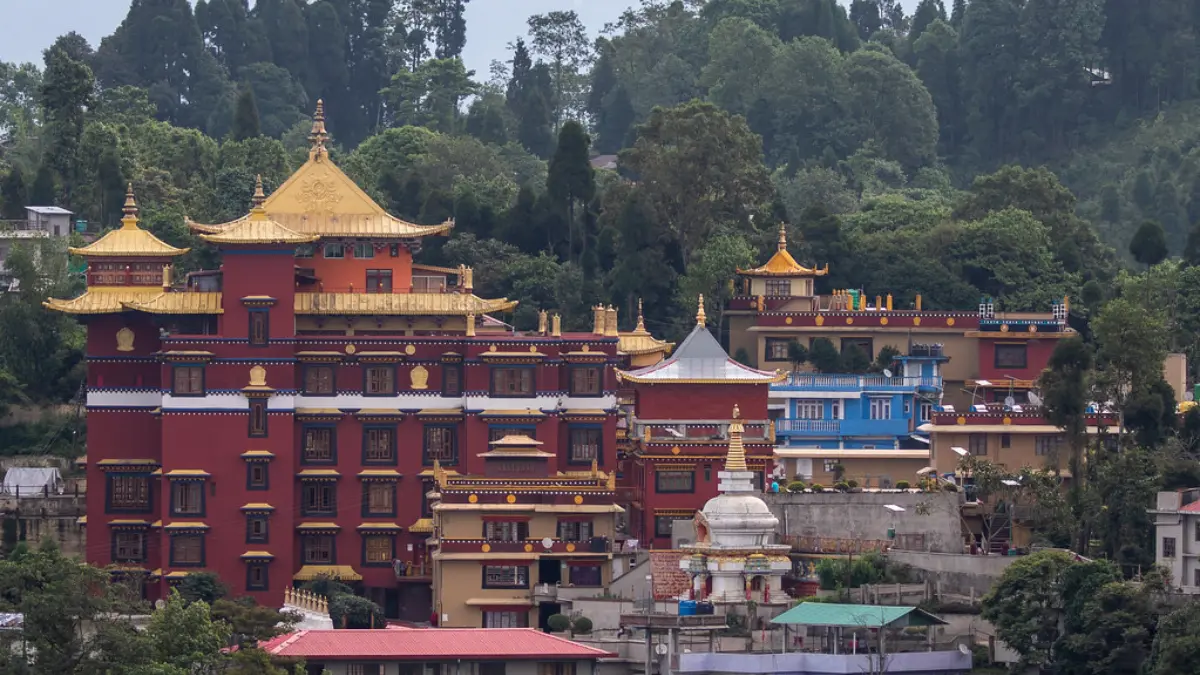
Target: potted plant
(558, 623)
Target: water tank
(687, 608)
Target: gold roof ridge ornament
(259, 197)
(129, 240)
(700, 318)
(640, 328)
(318, 136)
(782, 264)
(735, 460)
(782, 245)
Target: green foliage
(558, 623)
(581, 625)
(902, 485)
(1149, 244)
(355, 612)
(1025, 605)
(869, 568)
(203, 587)
(245, 117)
(824, 356)
(796, 486)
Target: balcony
(693, 431)
(847, 427)
(545, 593)
(856, 383)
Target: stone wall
(929, 522)
(958, 574)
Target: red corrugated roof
(429, 644)
(1194, 507)
(669, 580)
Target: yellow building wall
(1012, 450)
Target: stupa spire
(735, 460)
(782, 237)
(318, 136)
(130, 221)
(700, 318)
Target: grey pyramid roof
(700, 357)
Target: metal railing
(808, 426)
(857, 382)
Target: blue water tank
(687, 608)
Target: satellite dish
(964, 649)
(660, 649)
(159, 604)
(548, 542)
(1009, 401)
(1034, 398)
(887, 373)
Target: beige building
(1177, 537)
(507, 543)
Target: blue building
(858, 426)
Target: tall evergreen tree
(530, 98)
(329, 76)
(990, 49)
(450, 28)
(225, 26)
(936, 54)
(14, 194)
(561, 38)
(571, 180)
(1149, 244)
(43, 192)
(865, 14)
(957, 13)
(246, 123)
(67, 89)
(286, 32)
(927, 12)
(366, 23)
(609, 105)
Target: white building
(1177, 537)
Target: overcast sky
(31, 25)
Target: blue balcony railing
(818, 382)
(843, 428)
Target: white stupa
(735, 538)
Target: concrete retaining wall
(930, 520)
(959, 574)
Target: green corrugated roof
(853, 616)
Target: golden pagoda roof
(103, 299)
(782, 264)
(178, 303)
(256, 227)
(129, 240)
(320, 200)
(639, 341)
(402, 304)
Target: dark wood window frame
(307, 509)
(658, 482)
(175, 541)
(452, 379)
(258, 418)
(596, 429)
(258, 327)
(177, 488)
(377, 370)
(257, 576)
(138, 555)
(426, 457)
(496, 373)
(769, 349)
(264, 535)
(196, 376)
(384, 487)
(367, 538)
(304, 436)
(572, 381)
(371, 434)
(252, 483)
(110, 491)
(520, 579)
(311, 368)
(1010, 349)
(308, 540)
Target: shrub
(796, 486)
(950, 487)
(817, 487)
(558, 623)
(841, 485)
(852, 483)
(902, 485)
(582, 625)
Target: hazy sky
(31, 25)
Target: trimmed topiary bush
(852, 483)
(902, 485)
(558, 623)
(841, 485)
(817, 487)
(796, 486)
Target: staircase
(1001, 537)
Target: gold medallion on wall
(419, 377)
(319, 195)
(125, 340)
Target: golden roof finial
(259, 196)
(641, 320)
(318, 135)
(700, 318)
(736, 459)
(129, 222)
(782, 237)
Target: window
(1168, 547)
(675, 481)
(128, 492)
(187, 550)
(505, 576)
(496, 432)
(129, 547)
(452, 379)
(512, 382)
(364, 669)
(1196, 577)
(504, 620)
(379, 281)
(187, 499)
(586, 381)
(779, 288)
(830, 465)
(586, 575)
(881, 408)
(662, 525)
(556, 668)
(1005, 440)
(378, 549)
(777, 349)
(319, 550)
(807, 409)
(318, 499)
(925, 411)
(977, 445)
(257, 476)
(575, 530)
(1047, 446)
(256, 577)
(364, 250)
(1198, 535)
(379, 381)
(256, 530)
(835, 409)
(866, 345)
(440, 444)
(506, 530)
(707, 472)
(305, 251)
(426, 508)
(260, 327)
(585, 445)
(335, 250)
(1011, 356)
(318, 380)
(379, 445)
(258, 418)
(318, 446)
(188, 381)
(379, 498)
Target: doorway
(545, 611)
(549, 571)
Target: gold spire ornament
(641, 320)
(735, 461)
(782, 237)
(700, 318)
(130, 221)
(259, 196)
(318, 136)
